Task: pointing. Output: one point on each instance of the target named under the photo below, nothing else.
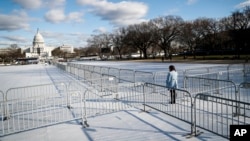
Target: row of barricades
(235, 72)
(32, 107)
(25, 108)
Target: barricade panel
(159, 98)
(126, 75)
(81, 74)
(206, 70)
(98, 69)
(220, 88)
(141, 76)
(37, 106)
(105, 70)
(216, 114)
(160, 78)
(98, 103)
(244, 92)
(237, 75)
(114, 72)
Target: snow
(129, 124)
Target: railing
(37, 106)
(128, 95)
(219, 88)
(244, 92)
(216, 114)
(158, 97)
(25, 108)
(43, 105)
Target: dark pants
(173, 96)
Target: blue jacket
(172, 80)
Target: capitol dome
(38, 38)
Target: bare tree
(140, 37)
(237, 27)
(188, 37)
(167, 29)
(117, 40)
(102, 42)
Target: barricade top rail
(182, 90)
(248, 83)
(197, 77)
(61, 82)
(221, 98)
(215, 72)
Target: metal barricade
(160, 77)
(127, 95)
(220, 88)
(244, 92)
(158, 97)
(206, 70)
(114, 72)
(237, 75)
(38, 106)
(244, 96)
(216, 114)
(126, 75)
(141, 76)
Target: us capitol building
(42, 52)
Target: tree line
(9, 54)
(171, 34)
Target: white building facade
(40, 50)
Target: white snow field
(32, 88)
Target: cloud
(54, 3)
(58, 38)
(14, 21)
(58, 16)
(15, 38)
(100, 30)
(29, 4)
(55, 13)
(172, 11)
(75, 16)
(55, 16)
(243, 4)
(190, 2)
(121, 13)
(36, 4)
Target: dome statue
(38, 40)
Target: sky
(72, 22)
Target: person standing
(172, 82)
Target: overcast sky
(73, 21)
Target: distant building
(41, 51)
(67, 48)
(4, 50)
(38, 49)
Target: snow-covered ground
(129, 124)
